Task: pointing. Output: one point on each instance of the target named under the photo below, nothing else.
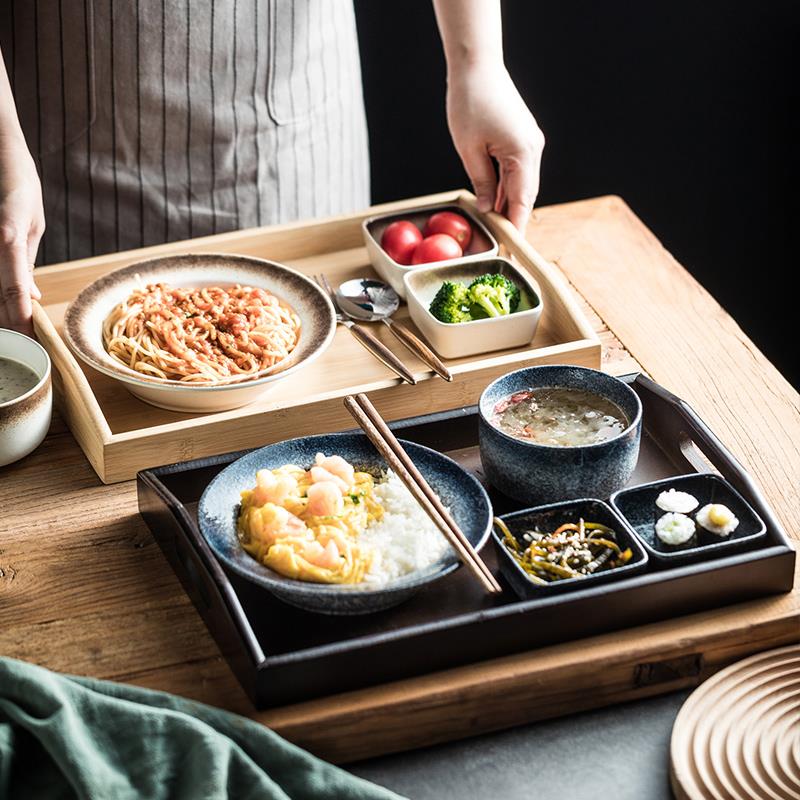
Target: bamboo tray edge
(119, 455)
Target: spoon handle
(381, 352)
(419, 348)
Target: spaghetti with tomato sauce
(210, 334)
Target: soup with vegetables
(15, 379)
(556, 415)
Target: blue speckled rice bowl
(219, 508)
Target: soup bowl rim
(632, 426)
(41, 379)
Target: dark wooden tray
(282, 655)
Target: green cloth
(70, 737)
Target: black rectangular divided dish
(551, 517)
(637, 506)
(283, 655)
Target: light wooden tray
(121, 435)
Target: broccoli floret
(493, 295)
(451, 303)
(513, 295)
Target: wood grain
(83, 587)
(122, 435)
(682, 336)
(733, 732)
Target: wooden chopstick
(416, 483)
(387, 445)
(383, 429)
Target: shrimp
(327, 557)
(330, 557)
(325, 499)
(337, 466)
(311, 551)
(321, 475)
(272, 488)
(270, 522)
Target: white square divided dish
(481, 335)
(483, 244)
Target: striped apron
(157, 120)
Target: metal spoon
(368, 300)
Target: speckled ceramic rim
(538, 385)
(444, 566)
(304, 353)
(41, 380)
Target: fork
(365, 338)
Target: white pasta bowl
(83, 325)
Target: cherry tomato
(439, 247)
(400, 239)
(452, 224)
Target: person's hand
(489, 120)
(21, 228)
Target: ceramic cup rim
(634, 424)
(44, 377)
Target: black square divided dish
(550, 517)
(638, 506)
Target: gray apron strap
(157, 120)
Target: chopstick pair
(380, 350)
(377, 431)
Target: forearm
(10, 130)
(472, 33)
(492, 128)
(21, 216)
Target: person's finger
(15, 278)
(4, 321)
(34, 237)
(500, 197)
(35, 292)
(520, 186)
(480, 168)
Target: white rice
(405, 539)
(675, 529)
(680, 502)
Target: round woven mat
(737, 736)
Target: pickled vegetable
(574, 550)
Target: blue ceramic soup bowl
(538, 473)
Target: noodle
(205, 335)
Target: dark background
(688, 110)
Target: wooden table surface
(85, 589)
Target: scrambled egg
(305, 524)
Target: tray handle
(703, 451)
(694, 455)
